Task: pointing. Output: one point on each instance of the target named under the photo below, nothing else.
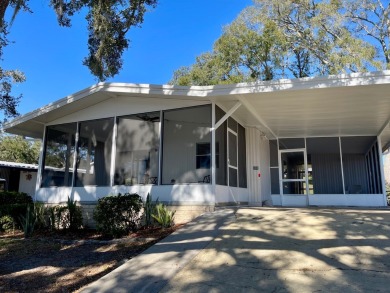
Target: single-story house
(290, 142)
(18, 177)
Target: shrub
(14, 205)
(64, 217)
(13, 197)
(148, 210)
(7, 223)
(74, 215)
(163, 216)
(58, 217)
(28, 222)
(117, 215)
(40, 212)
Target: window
(203, 155)
(59, 155)
(137, 149)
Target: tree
(108, 23)
(19, 150)
(320, 29)
(293, 38)
(370, 18)
(240, 54)
(8, 103)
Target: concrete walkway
(265, 250)
(151, 270)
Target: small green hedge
(13, 205)
(117, 215)
(13, 197)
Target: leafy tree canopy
(108, 22)
(295, 38)
(19, 150)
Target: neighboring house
(18, 177)
(299, 142)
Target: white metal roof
(18, 165)
(350, 104)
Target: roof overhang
(24, 166)
(350, 104)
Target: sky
(172, 35)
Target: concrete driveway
(265, 250)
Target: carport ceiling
(358, 110)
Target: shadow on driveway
(267, 250)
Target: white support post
(280, 173)
(213, 160)
(113, 151)
(76, 144)
(40, 164)
(160, 148)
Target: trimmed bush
(14, 205)
(117, 215)
(62, 217)
(13, 197)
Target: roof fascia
(344, 80)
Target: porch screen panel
(137, 149)
(94, 152)
(324, 165)
(232, 124)
(275, 187)
(377, 176)
(372, 158)
(59, 155)
(273, 153)
(274, 166)
(291, 143)
(357, 175)
(232, 149)
(220, 149)
(183, 129)
(242, 179)
(233, 177)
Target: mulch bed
(64, 261)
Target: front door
(293, 172)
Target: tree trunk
(3, 7)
